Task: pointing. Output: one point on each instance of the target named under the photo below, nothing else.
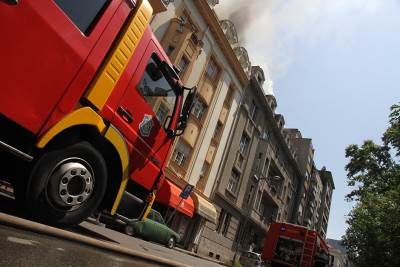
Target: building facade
(314, 194)
(246, 168)
(257, 180)
(192, 37)
(326, 200)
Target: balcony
(266, 211)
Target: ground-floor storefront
(188, 216)
(217, 240)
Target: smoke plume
(271, 30)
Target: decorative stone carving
(243, 57)
(212, 3)
(229, 30)
(258, 73)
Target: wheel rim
(171, 242)
(73, 182)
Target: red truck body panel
(44, 55)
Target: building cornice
(212, 21)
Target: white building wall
(219, 98)
(212, 177)
(210, 48)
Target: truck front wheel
(66, 185)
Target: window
(169, 50)
(253, 110)
(181, 153)
(218, 130)
(239, 161)
(300, 210)
(199, 109)
(258, 199)
(82, 13)
(227, 222)
(221, 219)
(211, 70)
(261, 207)
(238, 233)
(244, 142)
(250, 193)
(233, 182)
(257, 164)
(183, 65)
(156, 90)
(204, 169)
(265, 167)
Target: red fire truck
(293, 245)
(89, 106)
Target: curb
(199, 256)
(49, 230)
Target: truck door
(143, 117)
(43, 46)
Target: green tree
(373, 171)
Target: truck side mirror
(168, 69)
(186, 109)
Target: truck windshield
(289, 250)
(157, 91)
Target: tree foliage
(373, 171)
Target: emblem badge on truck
(146, 125)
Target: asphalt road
(148, 247)
(26, 248)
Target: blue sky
(335, 72)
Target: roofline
(275, 128)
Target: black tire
(171, 242)
(44, 193)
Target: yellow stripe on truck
(118, 141)
(81, 116)
(116, 62)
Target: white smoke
(270, 29)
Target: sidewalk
(199, 256)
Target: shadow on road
(8, 205)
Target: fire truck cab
(89, 101)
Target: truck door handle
(154, 160)
(125, 114)
(13, 2)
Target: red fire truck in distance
(89, 106)
(290, 245)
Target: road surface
(23, 247)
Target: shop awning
(169, 195)
(205, 208)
